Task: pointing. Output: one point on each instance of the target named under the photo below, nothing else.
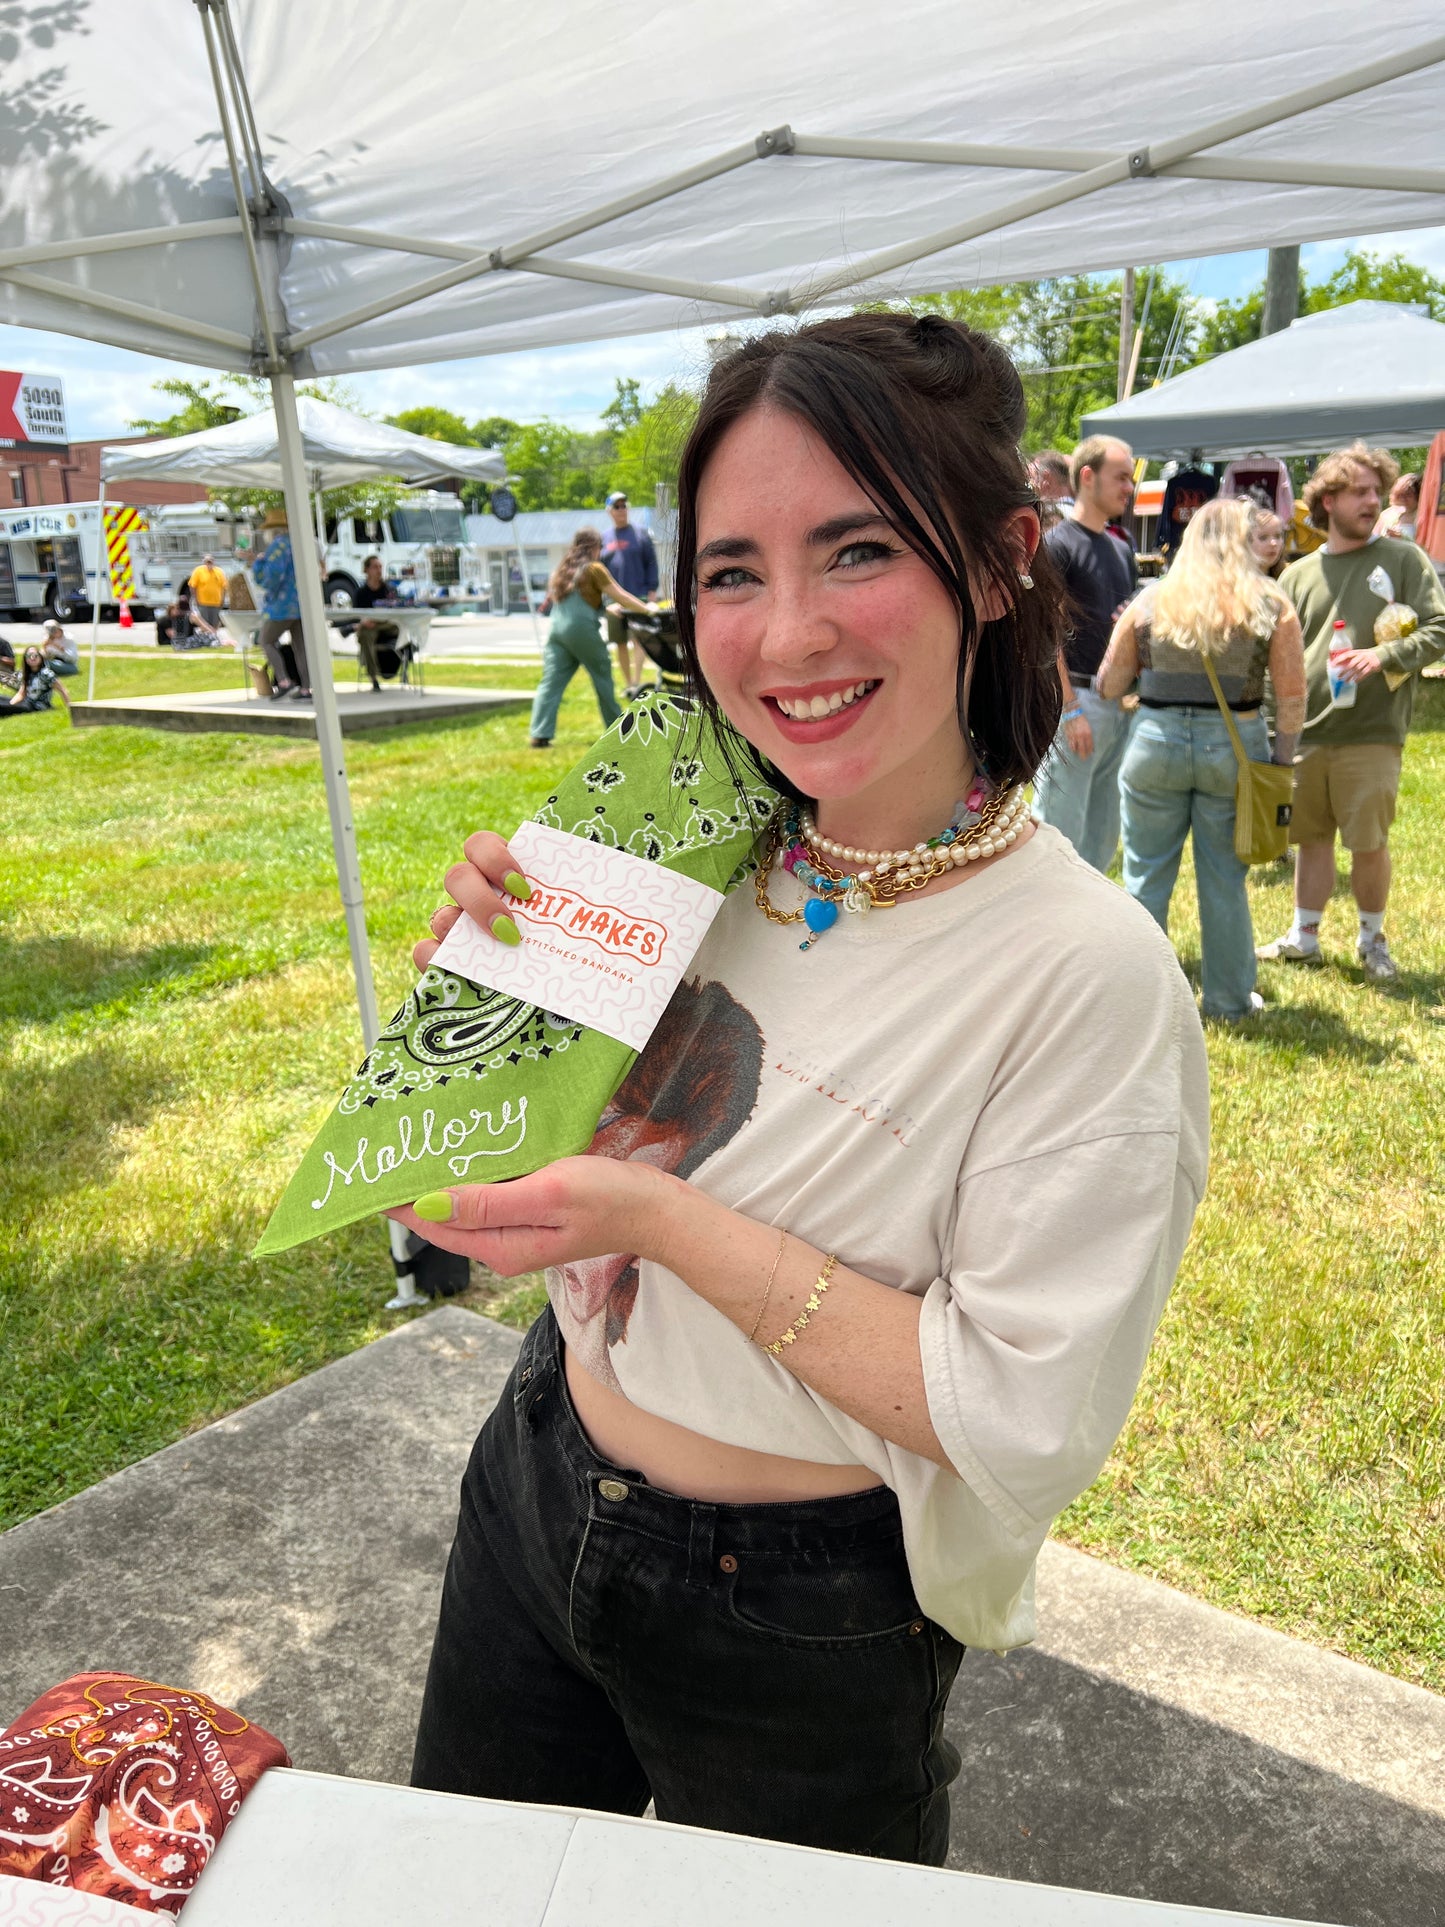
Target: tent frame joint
(1141, 164)
(777, 140)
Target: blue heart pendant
(819, 914)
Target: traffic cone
(125, 619)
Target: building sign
(32, 411)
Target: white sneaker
(1375, 960)
(1256, 1007)
(1286, 950)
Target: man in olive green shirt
(1348, 771)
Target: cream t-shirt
(996, 1099)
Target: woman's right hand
(488, 883)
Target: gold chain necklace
(997, 827)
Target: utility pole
(1126, 334)
(1281, 290)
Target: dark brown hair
(586, 547)
(926, 415)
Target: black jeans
(760, 1669)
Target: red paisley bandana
(121, 1787)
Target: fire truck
(422, 545)
(420, 541)
(57, 560)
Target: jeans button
(728, 1562)
(612, 1488)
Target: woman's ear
(1021, 537)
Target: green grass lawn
(176, 1017)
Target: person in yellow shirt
(208, 591)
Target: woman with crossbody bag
(1215, 623)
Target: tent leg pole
(328, 736)
(527, 587)
(101, 553)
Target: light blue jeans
(1079, 795)
(1179, 775)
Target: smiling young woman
(854, 1292)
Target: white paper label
(606, 936)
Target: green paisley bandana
(467, 1086)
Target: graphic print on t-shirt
(689, 1093)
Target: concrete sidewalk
(288, 1560)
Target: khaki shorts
(1348, 788)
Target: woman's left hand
(583, 1207)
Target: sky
(106, 388)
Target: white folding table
(311, 1850)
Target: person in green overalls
(579, 588)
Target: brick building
(32, 478)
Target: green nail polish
(435, 1207)
(516, 885)
(504, 930)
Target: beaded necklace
(987, 821)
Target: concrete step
(288, 1560)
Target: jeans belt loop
(700, 1564)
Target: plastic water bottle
(1342, 691)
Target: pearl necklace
(903, 862)
(985, 824)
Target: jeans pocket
(826, 1604)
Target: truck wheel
(341, 591)
(62, 605)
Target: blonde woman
(1179, 771)
(579, 587)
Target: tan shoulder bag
(1263, 793)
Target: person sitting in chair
(377, 639)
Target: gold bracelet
(768, 1292)
(815, 1298)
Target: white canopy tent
(337, 448)
(316, 189)
(1371, 370)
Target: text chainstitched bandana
(469, 1086)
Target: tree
(1365, 276)
(649, 450)
(1063, 335)
(625, 409)
(556, 468)
(436, 424)
(494, 431)
(1361, 276)
(203, 404)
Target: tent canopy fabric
(339, 448)
(1372, 371)
(441, 181)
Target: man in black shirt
(376, 638)
(1077, 790)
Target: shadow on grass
(1316, 1032)
(42, 978)
(130, 1345)
(60, 1130)
(1428, 718)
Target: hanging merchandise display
(1263, 479)
(1185, 494)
